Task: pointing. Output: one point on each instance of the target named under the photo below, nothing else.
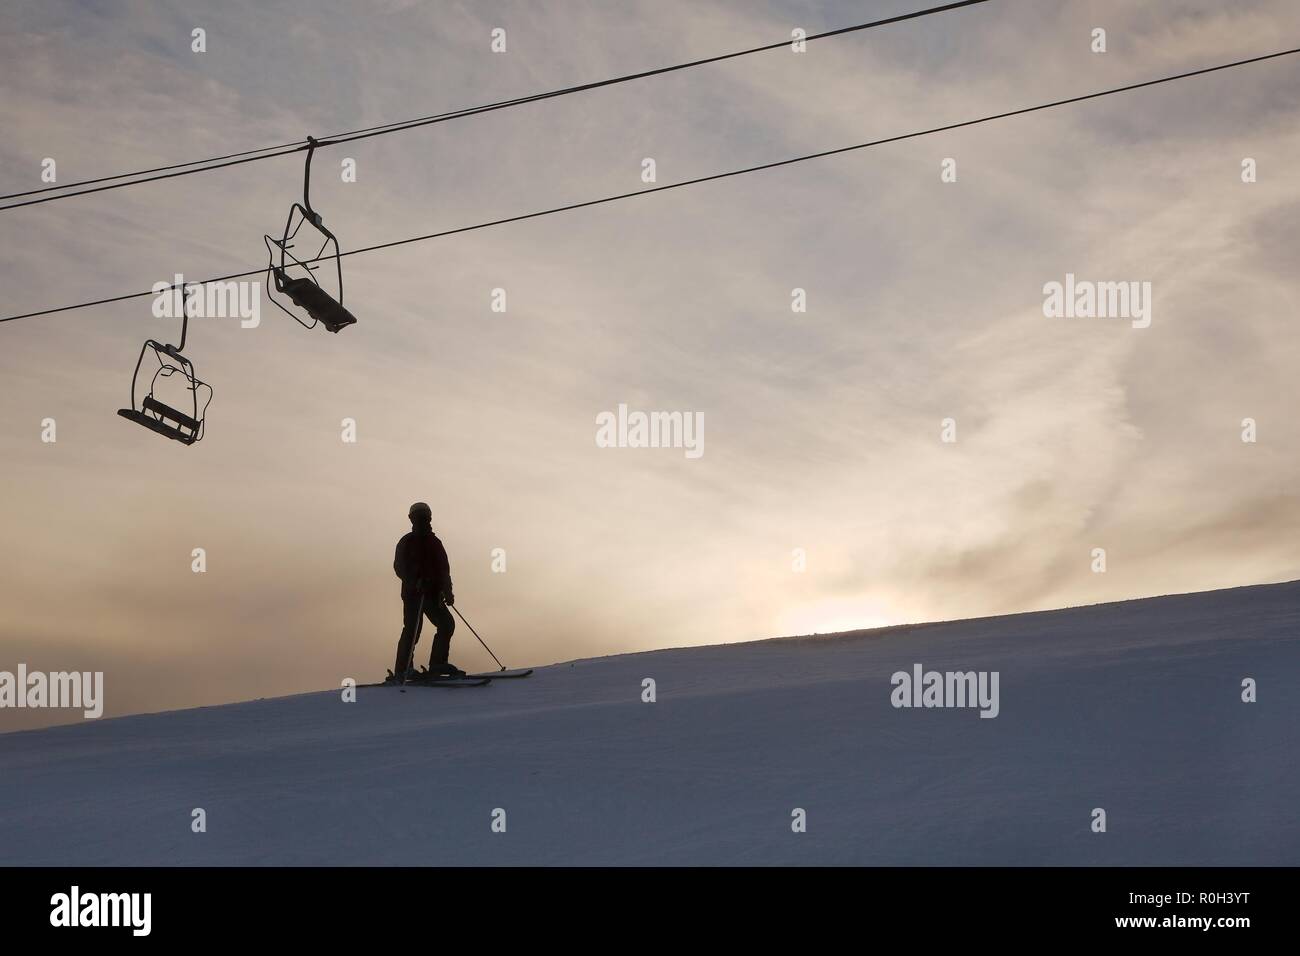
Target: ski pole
(480, 640)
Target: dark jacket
(421, 561)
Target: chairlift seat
(309, 296)
(323, 302)
(158, 416)
(177, 431)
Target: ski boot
(444, 671)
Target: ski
(502, 675)
(467, 681)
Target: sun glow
(831, 615)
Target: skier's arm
(444, 572)
(401, 563)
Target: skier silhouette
(421, 562)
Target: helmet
(420, 509)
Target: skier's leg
(441, 618)
(406, 644)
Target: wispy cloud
(823, 427)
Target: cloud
(823, 427)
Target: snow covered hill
(1135, 708)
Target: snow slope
(1133, 707)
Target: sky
(826, 497)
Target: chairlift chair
(302, 285)
(186, 426)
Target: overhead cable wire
(691, 182)
(104, 183)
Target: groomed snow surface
(1132, 707)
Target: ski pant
(436, 611)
